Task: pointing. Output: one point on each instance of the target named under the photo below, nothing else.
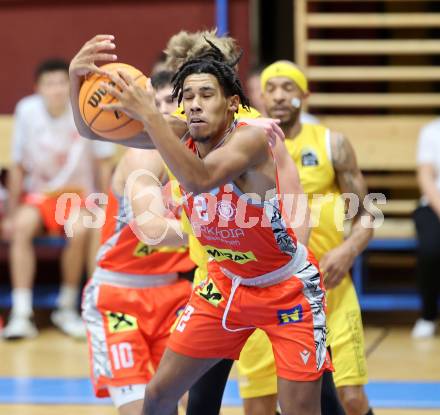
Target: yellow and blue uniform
(310, 150)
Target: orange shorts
(47, 206)
(292, 313)
(127, 330)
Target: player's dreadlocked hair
(213, 62)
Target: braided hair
(212, 62)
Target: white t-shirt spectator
(52, 152)
(428, 151)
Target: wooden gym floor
(392, 356)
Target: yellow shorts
(346, 335)
(256, 367)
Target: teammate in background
(163, 87)
(184, 46)
(135, 294)
(327, 166)
(49, 158)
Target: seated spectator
(49, 158)
(427, 221)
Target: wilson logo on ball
(114, 125)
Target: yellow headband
(287, 70)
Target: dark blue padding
(382, 301)
(44, 296)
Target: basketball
(108, 124)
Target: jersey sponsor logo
(142, 250)
(293, 315)
(119, 322)
(209, 292)
(236, 256)
(309, 158)
(227, 236)
(226, 209)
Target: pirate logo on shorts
(209, 292)
(118, 322)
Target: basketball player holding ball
(95, 49)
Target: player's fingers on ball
(111, 90)
(116, 79)
(149, 88)
(97, 70)
(111, 107)
(126, 77)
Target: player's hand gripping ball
(116, 124)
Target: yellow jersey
(311, 152)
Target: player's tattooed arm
(337, 262)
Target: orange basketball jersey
(121, 251)
(244, 236)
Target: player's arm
(294, 200)
(337, 262)
(100, 49)
(153, 224)
(247, 148)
